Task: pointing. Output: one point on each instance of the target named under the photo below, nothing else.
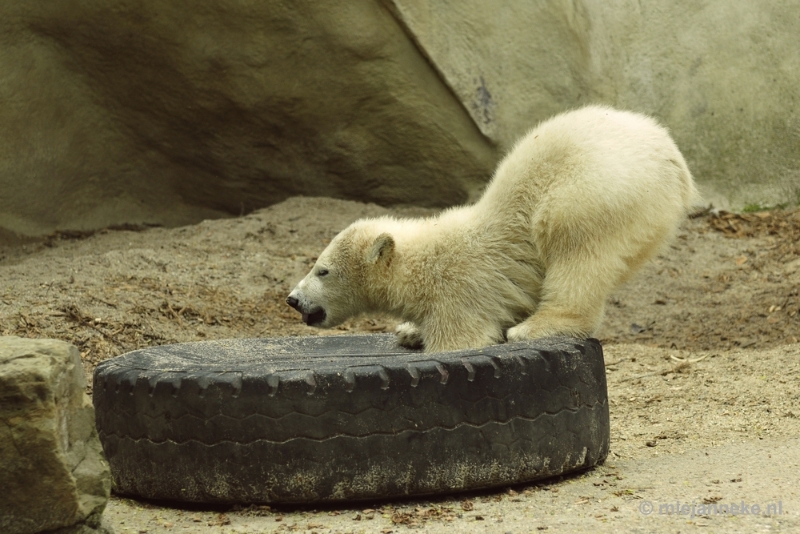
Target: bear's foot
(535, 328)
(409, 335)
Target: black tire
(346, 417)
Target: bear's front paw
(408, 335)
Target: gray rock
(52, 469)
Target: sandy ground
(702, 358)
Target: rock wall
(137, 111)
(724, 76)
(52, 469)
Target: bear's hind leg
(573, 298)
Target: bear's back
(587, 160)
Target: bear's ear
(382, 249)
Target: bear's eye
(322, 272)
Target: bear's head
(345, 278)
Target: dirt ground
(702, 359)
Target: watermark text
(694, 509)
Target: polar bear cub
(579, 204)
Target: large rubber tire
(346, 417)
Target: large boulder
(134, 111)
(52, 471)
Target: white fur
(580, 203)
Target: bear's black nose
(291, 301)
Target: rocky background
(160, 112)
